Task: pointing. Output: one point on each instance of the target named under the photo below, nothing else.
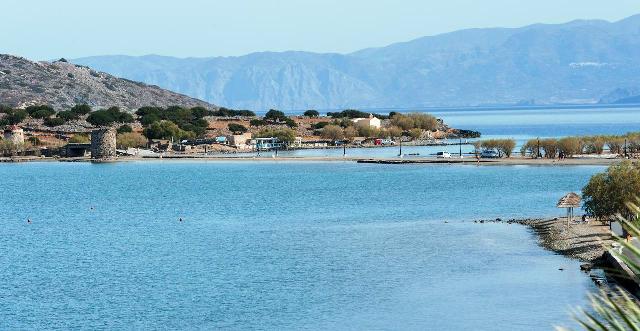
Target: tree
(394, 132)
(415, 133)
(130, 140)
(350, 132)
(505, 146)
(256, 122)
(275, 115)
(607, 193)
(80, 110)
(68, 115)
(53, 121)
(332, 132)
(570, 146)
(311, 113)
(237, 128)
(43, 113)
(15, 116)
(166, 130)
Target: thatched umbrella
(570, 201)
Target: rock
(586, 267)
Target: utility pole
(625, 147)
(460, 146)
(538, 154)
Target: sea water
(282, 246)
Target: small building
(240, 141)
(15, 134)
(266, 144)
(76, 150)
(372, 121)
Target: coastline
(514, 161)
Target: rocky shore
(584, 242)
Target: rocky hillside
(62, 85)
(576, 62)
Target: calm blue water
(281, 246)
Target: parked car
(443, 155)
(489, 154)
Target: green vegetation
(40, 112)
(80, 139)
(237, 128)
(415, 121)
(14, 116)
(617, 311)
(80, 110)
(352, 113)
(189, 120)
(504, 147)
(285, 135)
(570, 146)
(106, 117)
(607, 193)
(53, 121)
(125, 129)
(130, 140)
(312, 113)
(226, 112)
(166, 130)
(256, 122)
(332, 132)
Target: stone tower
(103, 143)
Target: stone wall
(103, 143)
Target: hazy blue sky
(43, 29)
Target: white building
(240, 141)
(373, 122)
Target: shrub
(166, 130)
(130, 140)
(67, 115)
(80, 110)
(606, 194)
(15, 116)
(125, 129)
(43, 113)
(53, 121)
(237, 128)
(332, 132)
(80, 139)
(312, 113)
(256, 123)
(319, 125)
(350, 132)
(570, 146)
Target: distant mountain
(576, 62)
(62, 85)
(622, 96)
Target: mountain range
(62, 85)
(576, 62)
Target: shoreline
(514, 161)
(583, 242)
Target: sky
(45, 29)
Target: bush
(15, 116)
(68, 115)
(256, 123)
(80, 139)
(53, 121)
(42, 113)
(226, 112)
(237, 128)
(312, 113)
(40, 110)
(350, 132)
(332, 132)
(570, 146)
(166, 130)
(130, 140)
(106, 117)
(80, 110)
(319, 125)
(607, 193)
(125, 129)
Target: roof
(571, 200)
